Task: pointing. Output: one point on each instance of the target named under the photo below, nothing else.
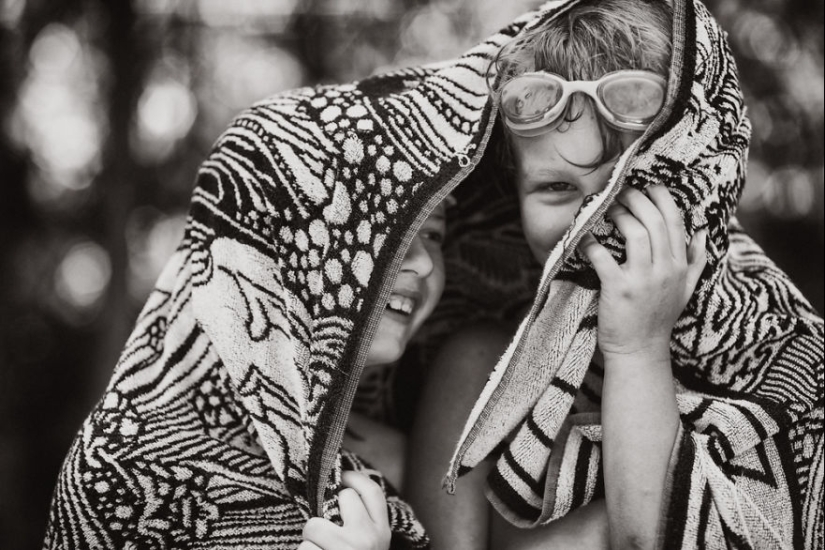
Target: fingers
(650, 229)
(656, 212)
(673, 219)
(321, 534)
(365, 518)
(371, 495)
(604, 264)
(654, 233)
(636, 236)
(352, 507)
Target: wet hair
(590, 39)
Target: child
(563, 139)
(558, 161)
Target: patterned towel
(747, 469)
(223, 421)
(222, 424)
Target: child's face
(415, 294)
(551, 187)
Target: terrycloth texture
(747, 469)
(222, 424)
(221, 427)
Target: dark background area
(108, 107)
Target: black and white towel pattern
(222, 424)
(747, 352)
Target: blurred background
(108, 107)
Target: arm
(454, 382)
(640, 422)
(639, 304)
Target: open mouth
(403, 305)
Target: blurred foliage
(108, 107)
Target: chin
(384, 353)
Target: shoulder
(477, 346)
(481, 336)
(458, 374)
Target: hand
(642, 299)
(364, 513)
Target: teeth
(401, 304)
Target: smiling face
(415, 293)
(551, 187)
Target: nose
(418, 259)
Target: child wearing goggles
(572, 95)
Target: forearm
(640, 420)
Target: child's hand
(642, 298)
(364, 512)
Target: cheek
(435, 283)
(543, 226)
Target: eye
(432, 235)
(556, 186)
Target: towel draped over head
(222, 424)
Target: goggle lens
(528, 98)
(628, 100)
(633, 99)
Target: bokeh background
(107, 108)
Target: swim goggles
(532, 103)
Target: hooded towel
(222, 424)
